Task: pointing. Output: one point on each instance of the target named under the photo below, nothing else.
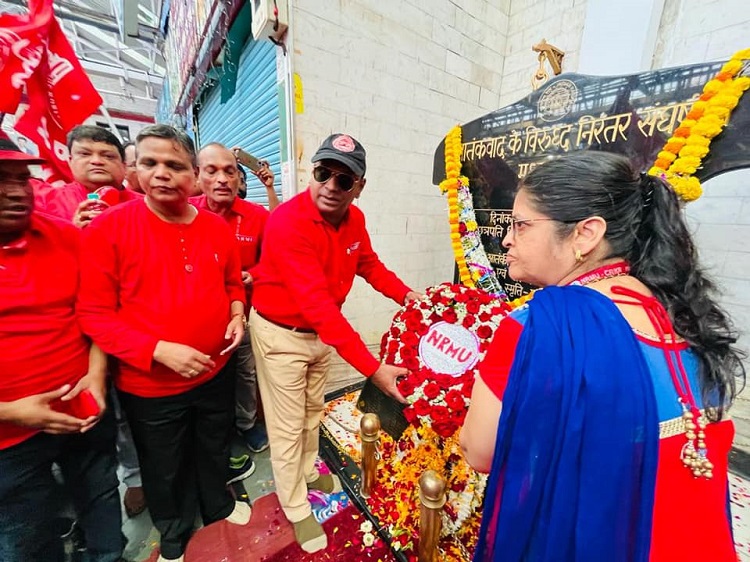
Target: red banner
(36, 55)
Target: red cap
(10, 151)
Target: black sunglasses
(344, 181)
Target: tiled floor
(143, 538)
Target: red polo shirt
(307, 268)
(247, 220)
(63, 201)
(41, 346)
(145, 280)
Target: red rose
(462, 228)
(450, 316)
(431, 391)
(409, 339)
(422, 330)
(484, 332)
(406, 386)
(407, 352)
(485, 317)
(468, 387)
(468, 321)
(473, 306)
(462, 297)
(411, 363)
(444, 429)
(410, 415)
(392, 346)
(421, 407)
(455, 400)
(440, 414)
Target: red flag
(35, 54)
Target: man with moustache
(161, 291)
(96, 161)
(45, 363)
(313, 246)
(219, 179)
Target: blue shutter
(250, 118)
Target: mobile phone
(82, 406)
(247, 159)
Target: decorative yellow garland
(453, 180)
(689, 144)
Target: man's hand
(235, 331)
(87, 211)
(183, 359)
(247, 279)
(35, 412)
(96, 384)
(412, 296)
(264, 174)
(385, 379)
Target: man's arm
(291, 250)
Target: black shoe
(240, 468)
(256, 438)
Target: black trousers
(183, 449)
(28, 494)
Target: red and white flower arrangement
(441, 339)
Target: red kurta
(63, 201)
(41, 346)
(145, 280)
(247, 220)
(307, 268)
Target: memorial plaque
(632, 115)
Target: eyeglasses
(515, 224)
(344, 181)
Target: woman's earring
(579, 256)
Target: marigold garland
(450, 185)
(473, 265)
(683, 153)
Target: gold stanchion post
(432, 498)
(369, 432)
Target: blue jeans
(29, 502)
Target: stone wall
(397, 75)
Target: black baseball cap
(345, 149)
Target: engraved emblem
(557, 100)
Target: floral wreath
(438, 403)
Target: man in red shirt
(161, 291)
(96, 161)
(48, 368)
(219, 179)
(313, 246)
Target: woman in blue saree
(606, 395)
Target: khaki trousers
(292, 368)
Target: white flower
(366, 526)
(368, 539)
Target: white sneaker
(240, 514)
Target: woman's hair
(645, 226)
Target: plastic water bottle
(100, 205)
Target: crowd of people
(152, 294)
(134, 335)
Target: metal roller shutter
(250, 118)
